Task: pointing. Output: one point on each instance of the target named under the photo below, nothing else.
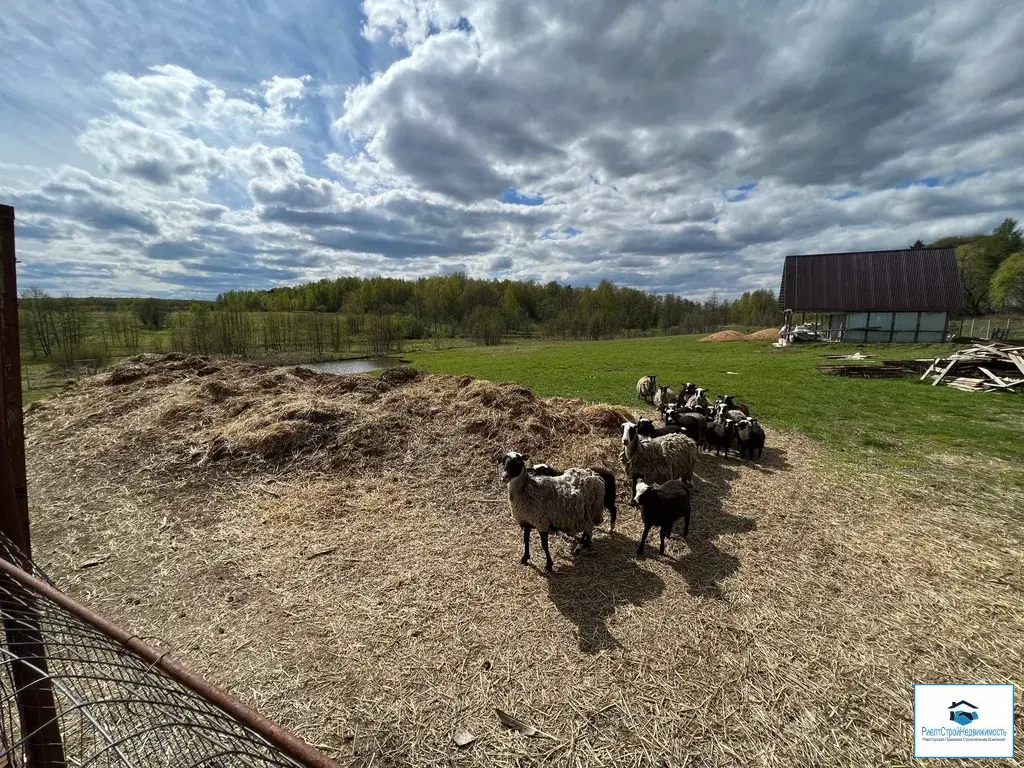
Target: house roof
(958, 703)
(905, 280)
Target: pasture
(338, 552)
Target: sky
(195, 146)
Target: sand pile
(768, 334)
(728, 335)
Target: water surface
(360, 365)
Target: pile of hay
(728, 335)
(338, 552)
(768, 334)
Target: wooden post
(972, 327)
(917, 328)
(988, 331)
(37, 715)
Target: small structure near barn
(873, 296)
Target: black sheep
(693, 425)
(646, 428)
(661, 505)
(720, 435)
(750, 436)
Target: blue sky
(185, 148)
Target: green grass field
(900, 421)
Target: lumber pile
(980, 368)
(889, 369)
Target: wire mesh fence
(112, 708)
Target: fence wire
(112, 707)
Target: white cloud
(681, 145)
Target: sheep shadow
(589, 591)
(772, 460)
(704, 566)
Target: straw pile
(728, 335)
(337, 550)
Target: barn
(873, 296)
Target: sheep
(663, 398)
(656, 459)
(731, 404)
(646, 428)
(661, 505)
(570, 503)
(546, 470)
(698, 399)
(720, 433)
(688, 391)
(646, 388)
(733, 414)
(693, 425)
(750, 435)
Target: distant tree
(487, 325)
(1007, 287)
(955, 241)
(152, 313)
(976, 270)
(918, 245)
(38, 306)
(1007, 238)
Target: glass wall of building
(885, 327)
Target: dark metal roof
(905, 280)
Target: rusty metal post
(37, 713)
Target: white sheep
(699, 399)
(658, 459)
(570, 503)
(646, 387)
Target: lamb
(663, 398)
(546, 470)
(720, 433)
(646, 387)
(657, 459)
(661, 505)
(750, 435)
(733, 414)
(570, 503)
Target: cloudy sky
(202, 145)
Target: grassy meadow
(901, 421)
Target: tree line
(488, 310)
(991, 268)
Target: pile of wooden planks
(980, 368)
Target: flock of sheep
(658, 460)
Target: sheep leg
(666, 531)
(643, 539)
(526, 545)
(632, 496)
(550, 565)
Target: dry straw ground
(787, 632)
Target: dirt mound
(726, 336)
(768, 334)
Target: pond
(359, 365)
